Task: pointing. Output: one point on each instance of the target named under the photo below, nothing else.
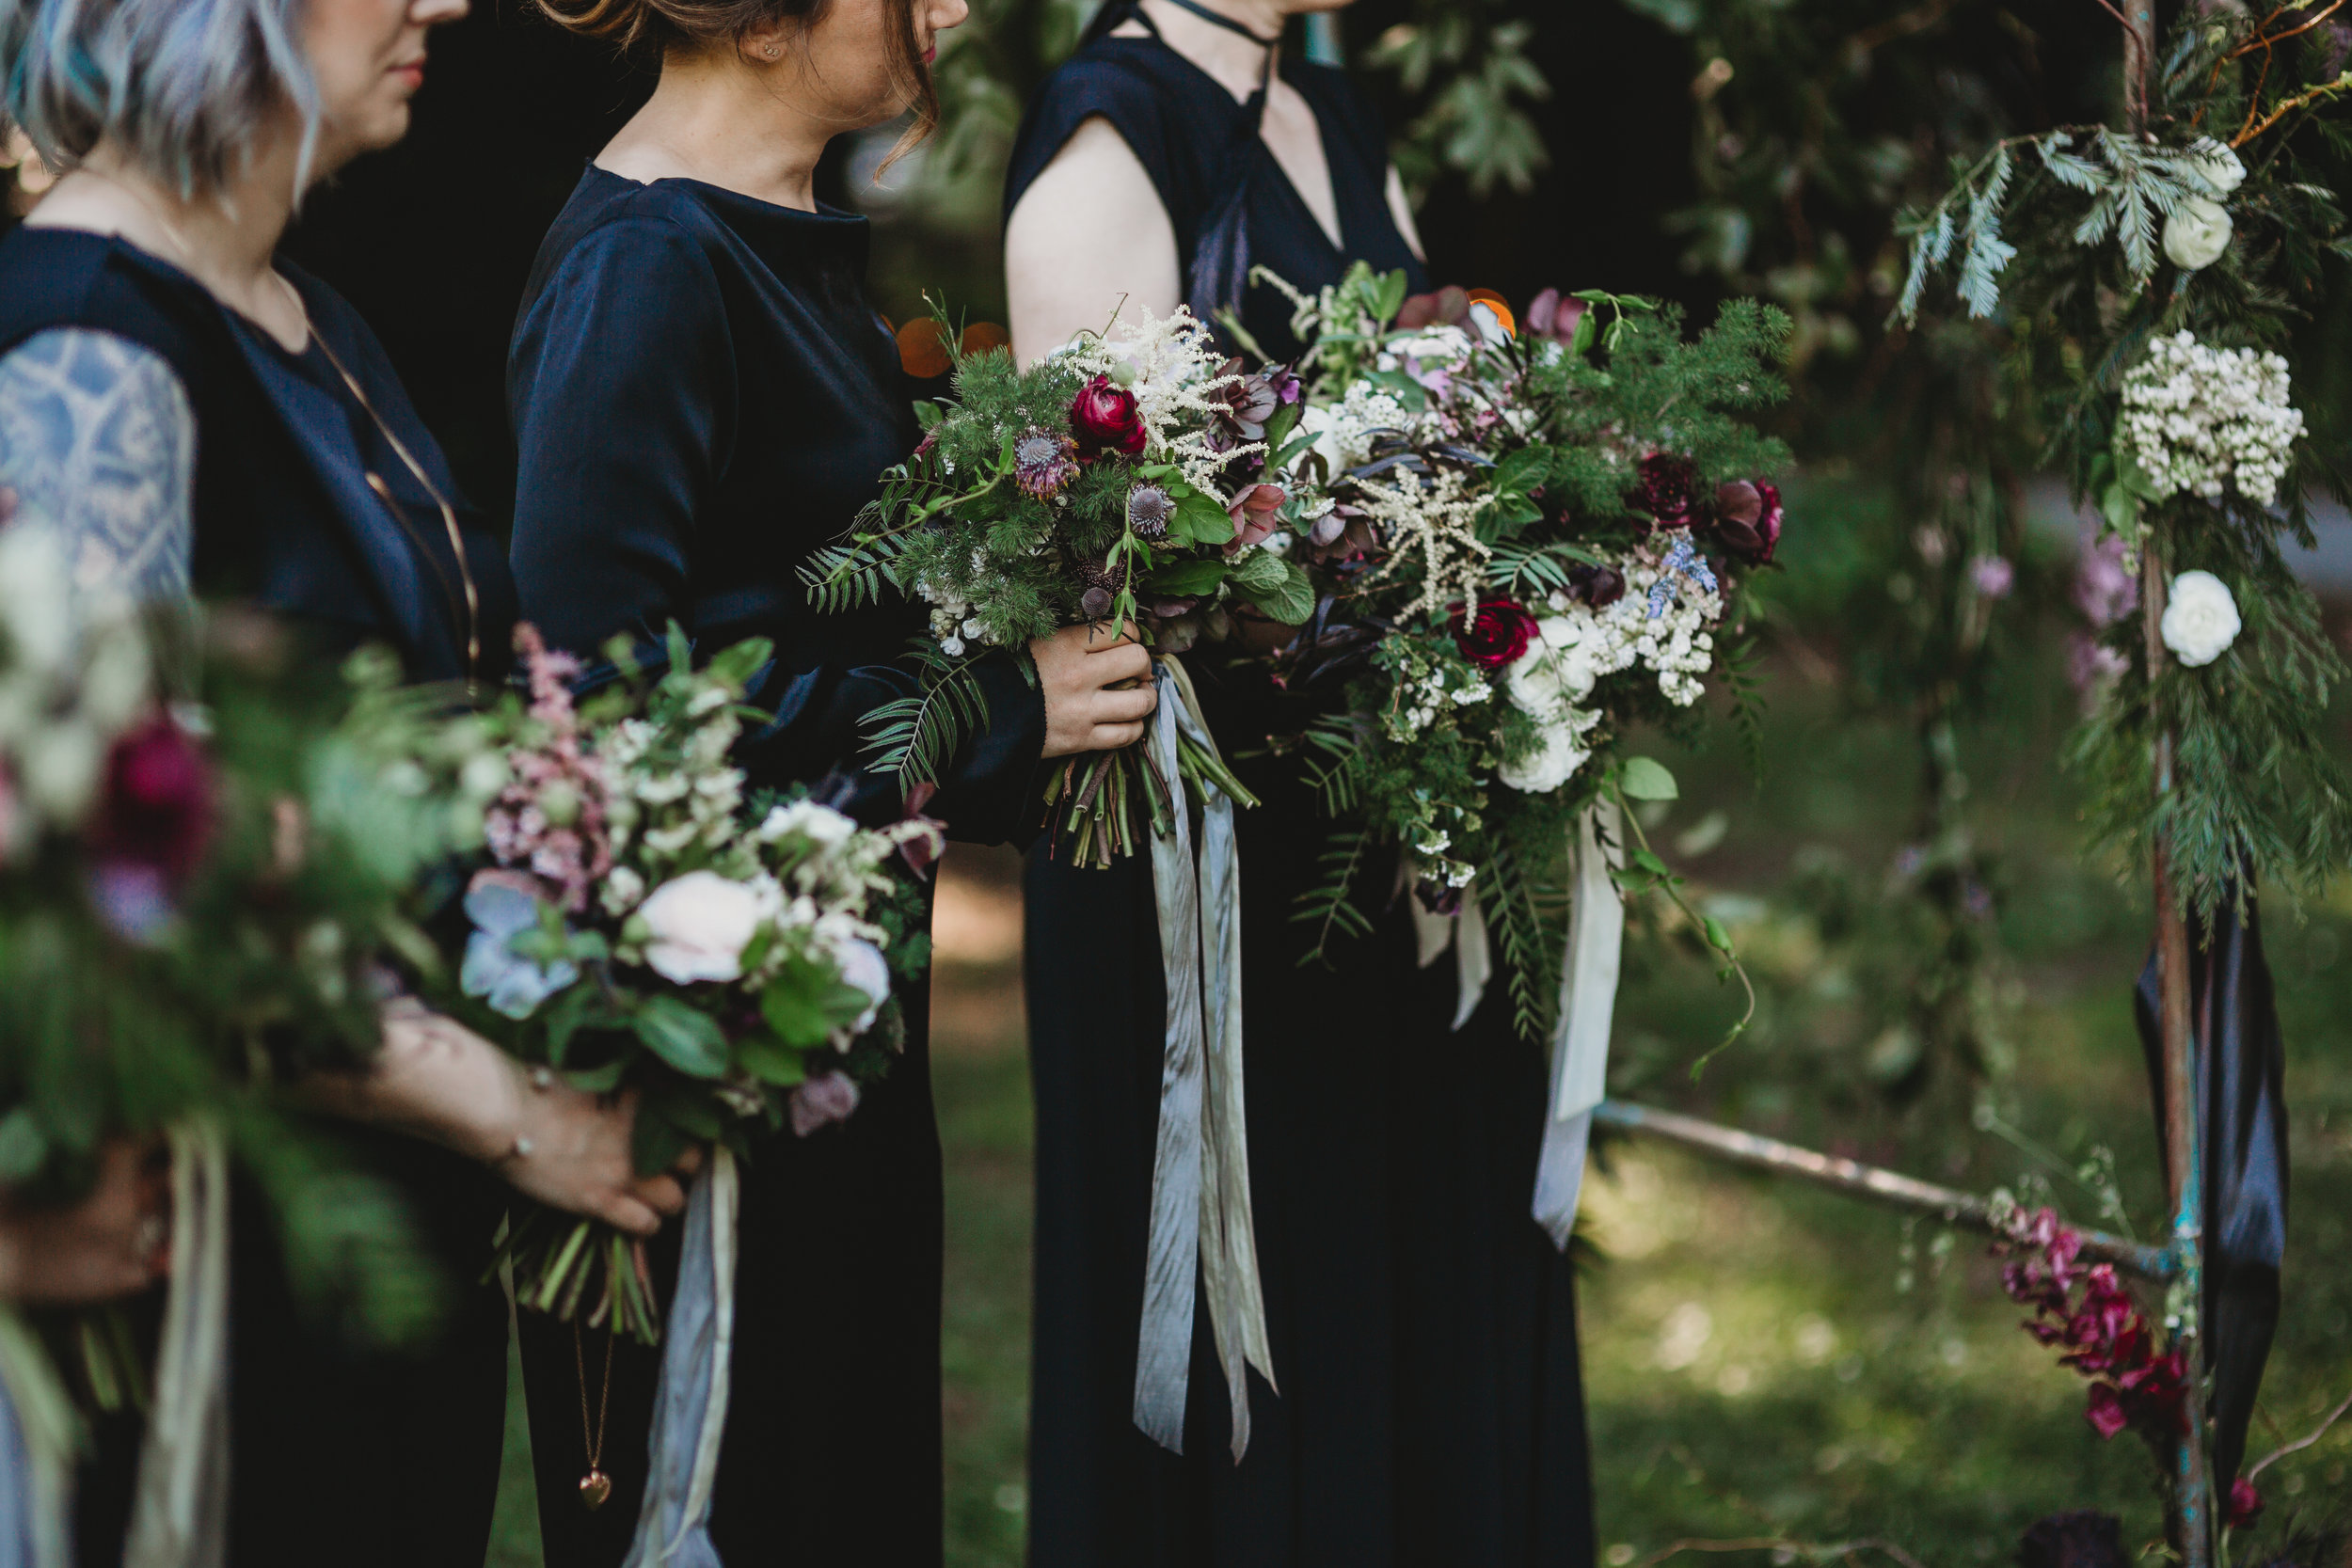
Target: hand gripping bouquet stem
(641, 923)
(1131, 479)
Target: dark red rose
(1747, 515)
(156, 809)
(1496, 636)
(1668, 488)
(1104, 418)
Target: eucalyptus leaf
(1644, 779)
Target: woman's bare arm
(1088, 235)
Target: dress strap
(1215, 19)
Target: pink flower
(2105, 1411)
(1253, 512)
(2245, 1504)
(821, 1100)
(551, 814)
(1550, 315)
(1104, 419)
(2104, 591)
(1991, 576)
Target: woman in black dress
(1422, 1326)
(702, 396)
(191, 414)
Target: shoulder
(68, 277)
(648, 250)
(1135, 84)
(97, 437)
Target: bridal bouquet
(1135, 477)
(208, 848)
(1524, 541)
(641, 924)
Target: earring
(769, 50)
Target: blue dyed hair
(183, 88)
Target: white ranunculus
(2214, 164)
(822, 826)
(2197, 234)
(864, 966)
(1546, 680)
(2200, 619)
(700, 924)
(1544, 770)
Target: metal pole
(1956, 1207)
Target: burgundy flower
(1149, 508)
(2104, 1411)
(1246, 403)
(1496, 636)
(2245, 1504)
(1554, 316)
(1254, 514)
(1448, 307)
(1747, 516)
(1598, 586)
(1104, 419)
(1043, 462)
(156, 809)
(1669, 481)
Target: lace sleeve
(97, 439)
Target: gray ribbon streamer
(1588, 1002)
(1202, 1221)
(180, 1511)
(39, 1436)
(1465, 931)
(689, 1409)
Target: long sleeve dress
(178, 447)
(1422, 1328)
(702, 396)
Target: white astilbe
(1171, 365)
(2196, 417)
(1430, 525)
(1343, 431)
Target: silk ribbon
(1201, 1223)
(1588, 1004)
(38, 1436)
(689, 1409)
(180, 1509)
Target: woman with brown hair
(702, 396)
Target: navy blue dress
(702, 396)
(1423, 1329)
(345, 1454)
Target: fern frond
(917, 736)
(1328, 905)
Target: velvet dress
(1422, 1327)
(342, 1453)
(702, 396)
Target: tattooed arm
(97, 439)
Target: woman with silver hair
(192, 414)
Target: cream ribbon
(690, 1408)
(180, 1511)
(1201, 1223)
(1465, 931)
(39, 1436)
(1588, 1002)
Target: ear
(764, 44)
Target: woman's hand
(568, 1148)
(115, 1242)
(1093, 703)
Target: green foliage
(1472, 71)
(917, 736)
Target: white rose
(1546, 769)
(1543, 680)
(863, 965)
(2197, 234)
(822, 826)
(2214, 164)
(2200, 619)
(700, 924)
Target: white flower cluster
(2195, 416)
(1546, 683)
(674, 795)
(1676, 644)
(1344, 430)
(74, 675)
(1424, 693)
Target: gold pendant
(594, 1488)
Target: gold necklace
(384, 493)
(596, 1486)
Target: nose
(945, 14)
(432, 13)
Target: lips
(411, 76)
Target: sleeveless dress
(1423, 1328)
(702, 396)
(343, 1454)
